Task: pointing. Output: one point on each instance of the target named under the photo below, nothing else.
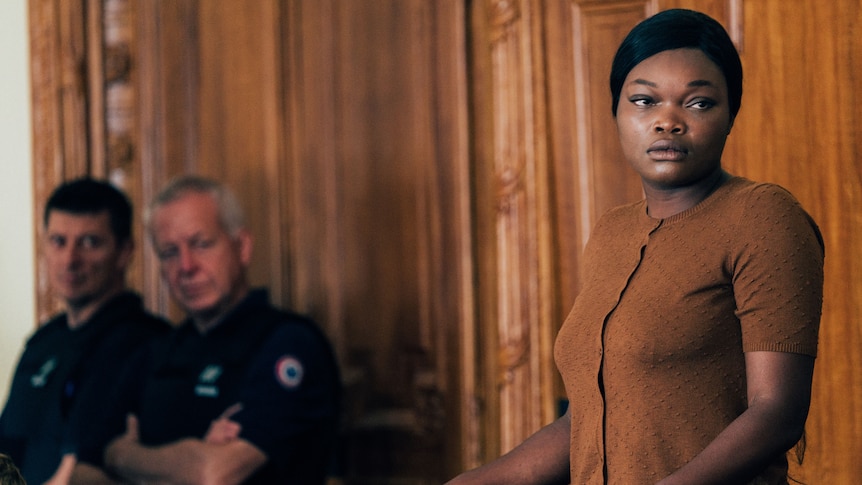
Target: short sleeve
(778, 273)
(291, 392)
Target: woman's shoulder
(764, 199)
(768, 207)
(743, 190)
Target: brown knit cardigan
(652, 351)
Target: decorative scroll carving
(120, 113)
(118, 63)
(514, 162)
(83, 104)
(502, 15)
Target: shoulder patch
(289, 372)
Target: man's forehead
(60, 219)
(192, 211)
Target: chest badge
(206, 386)
(39, 379)
(289, 372)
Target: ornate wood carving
(68, 119)
(120, 145)
(510, 128)
(83, 106)
(344, 125)
(514, 171)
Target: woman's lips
(665, 150)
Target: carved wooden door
(422, 176)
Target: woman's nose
(669, 120)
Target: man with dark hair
(70, 363)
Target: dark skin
(673, 121)
(673, 126)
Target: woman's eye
(702, 104)
(641, 101)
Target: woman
(689, 352)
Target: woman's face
(673, 118)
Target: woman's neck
(663, 203)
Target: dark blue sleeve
(291, 393)
(10, 445)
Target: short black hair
(86, 195)
(679, 29)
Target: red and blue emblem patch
(289, 372)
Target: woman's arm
(543, 458)
(779, 393)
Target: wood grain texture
(797, 128)
(378, 219)
(421, 178)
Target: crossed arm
(220, 458)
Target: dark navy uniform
(63, 377)
(278, 365)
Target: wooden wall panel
(378, 219)
(344, 126)
(59, 109)
(207, 106)
(514, 259)
(604, 176)
(83, 109)
(165, 55)
(796, 128)
(588, 172)
(239, 99)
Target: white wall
(17, 294)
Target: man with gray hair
(241, 392)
